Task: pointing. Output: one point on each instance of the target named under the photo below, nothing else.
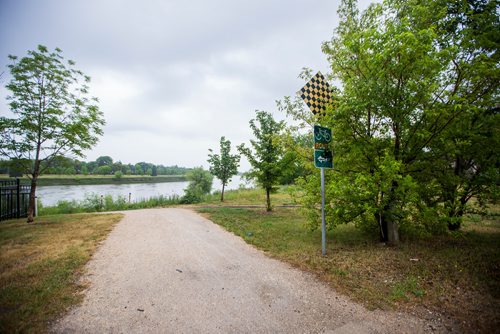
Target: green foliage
(298, 153)
(118, 174)
(103, 170)
(104, 161)
(53, 114)
(61, 165)
(266, 156)
(97, 203)
(406, 289)
(415, 122)
(224, 165)
(200, 184)
(138, 169)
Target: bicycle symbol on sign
(322, 134)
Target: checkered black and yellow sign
(317, 93)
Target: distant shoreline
(69, 180)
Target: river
(50, 195)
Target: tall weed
(97, 203)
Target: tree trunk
(222, 195)
(389, 229)
(390, 218)
(389, 224)
(392, 230)
(32, 199)
(456, 211)
(268, 199)
(455, 215)
(382, 226)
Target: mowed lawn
(40, 267)
(454, 277)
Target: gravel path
(173, 271)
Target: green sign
(323, 159)
(322, 154)
(322, 135)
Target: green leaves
(414, 118)
(200, 184)
(267, 153)
(225, 165)
(52, 114)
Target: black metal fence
(14, 199)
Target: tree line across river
(103, 165)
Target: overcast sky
(173, 77)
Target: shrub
(200, 184)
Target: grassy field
(249, 197)
(40, 265)
(455, 277)
(62, 180)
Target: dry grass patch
(40, 265)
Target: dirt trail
(173, 271)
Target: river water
(50, 195)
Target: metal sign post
(322, 159)
(323, 222)
(318, 95)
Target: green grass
(456, 275)
(40, 265)
(250, 197)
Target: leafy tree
(4, 166)
(126, 169)
(104, 161)
(138, 169)
(266, 156)
(103, 170)
(224, 165)
(466, 160)
(418, 86)
(85, 170)
(91, 165)
(69, 171)
(53, 114)
(59, 165)
(200, 184)
(297, 160)
(116, 166)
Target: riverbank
(69, 180)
